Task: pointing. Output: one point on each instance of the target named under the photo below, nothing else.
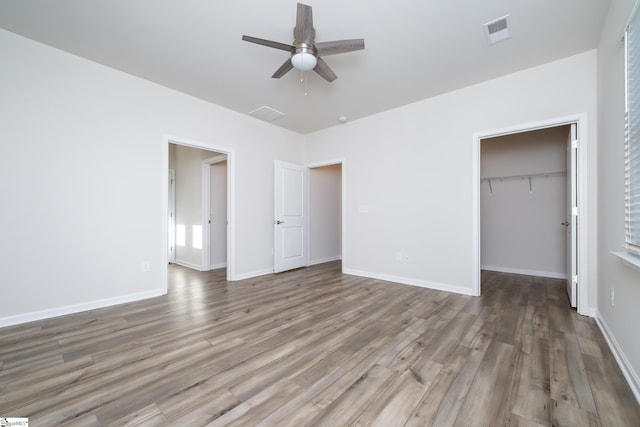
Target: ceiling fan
(305, 52)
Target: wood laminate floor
(316, 347)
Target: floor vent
(267, 114)
(497, 30)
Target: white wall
(218, 215)
(409, 171)
(325, 212)
(75, 229)
(620, 321)
(521, 229)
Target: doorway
(309, 217)
(577, 175)
(325, 213)
(523, 203)
(191, 219)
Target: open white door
(572, 216)
(290, 216)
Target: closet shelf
(528, 175)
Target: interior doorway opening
(575, 175)
(523, 203)
(198, 193)
(309, 214)
(325, 208)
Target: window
(632, 135)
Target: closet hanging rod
(528, 175)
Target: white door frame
(171, 205)
(170, 139)
(343, 217)
(581, 122)
(206, 207)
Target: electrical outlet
(613, 297)
(145, 266)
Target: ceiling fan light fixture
(304, 59)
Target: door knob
(279, 222)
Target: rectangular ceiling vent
(497, 30)
(267, 114)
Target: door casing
(206, 208)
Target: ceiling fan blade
(325, 72)
(304, 32)
(339, 46)
(284, 69)
(269, 43)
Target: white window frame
(632, 133)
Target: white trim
(409, 281)
(188, 264)
(623, 362)
(206, 206)
(205, 198)
(343, 204)
(76, 308)
(325, 163)
(217, 266)
(215, 159)
(629, 259)
(252, 274)
(549, 274)
(583, 261)
(231, 234)
(171, 256)
(323, 260)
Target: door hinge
(574, 279)
(574, 143)
(574, 211)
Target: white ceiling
(414, 49)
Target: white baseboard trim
(538, 273)
(623, 362)
(188, 264)
(218, 265)
(252, 274)
(323, 260)
(409, 281)
(76, 308)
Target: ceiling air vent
(497, 30)
(267, 114)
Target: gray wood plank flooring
(316, 347)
